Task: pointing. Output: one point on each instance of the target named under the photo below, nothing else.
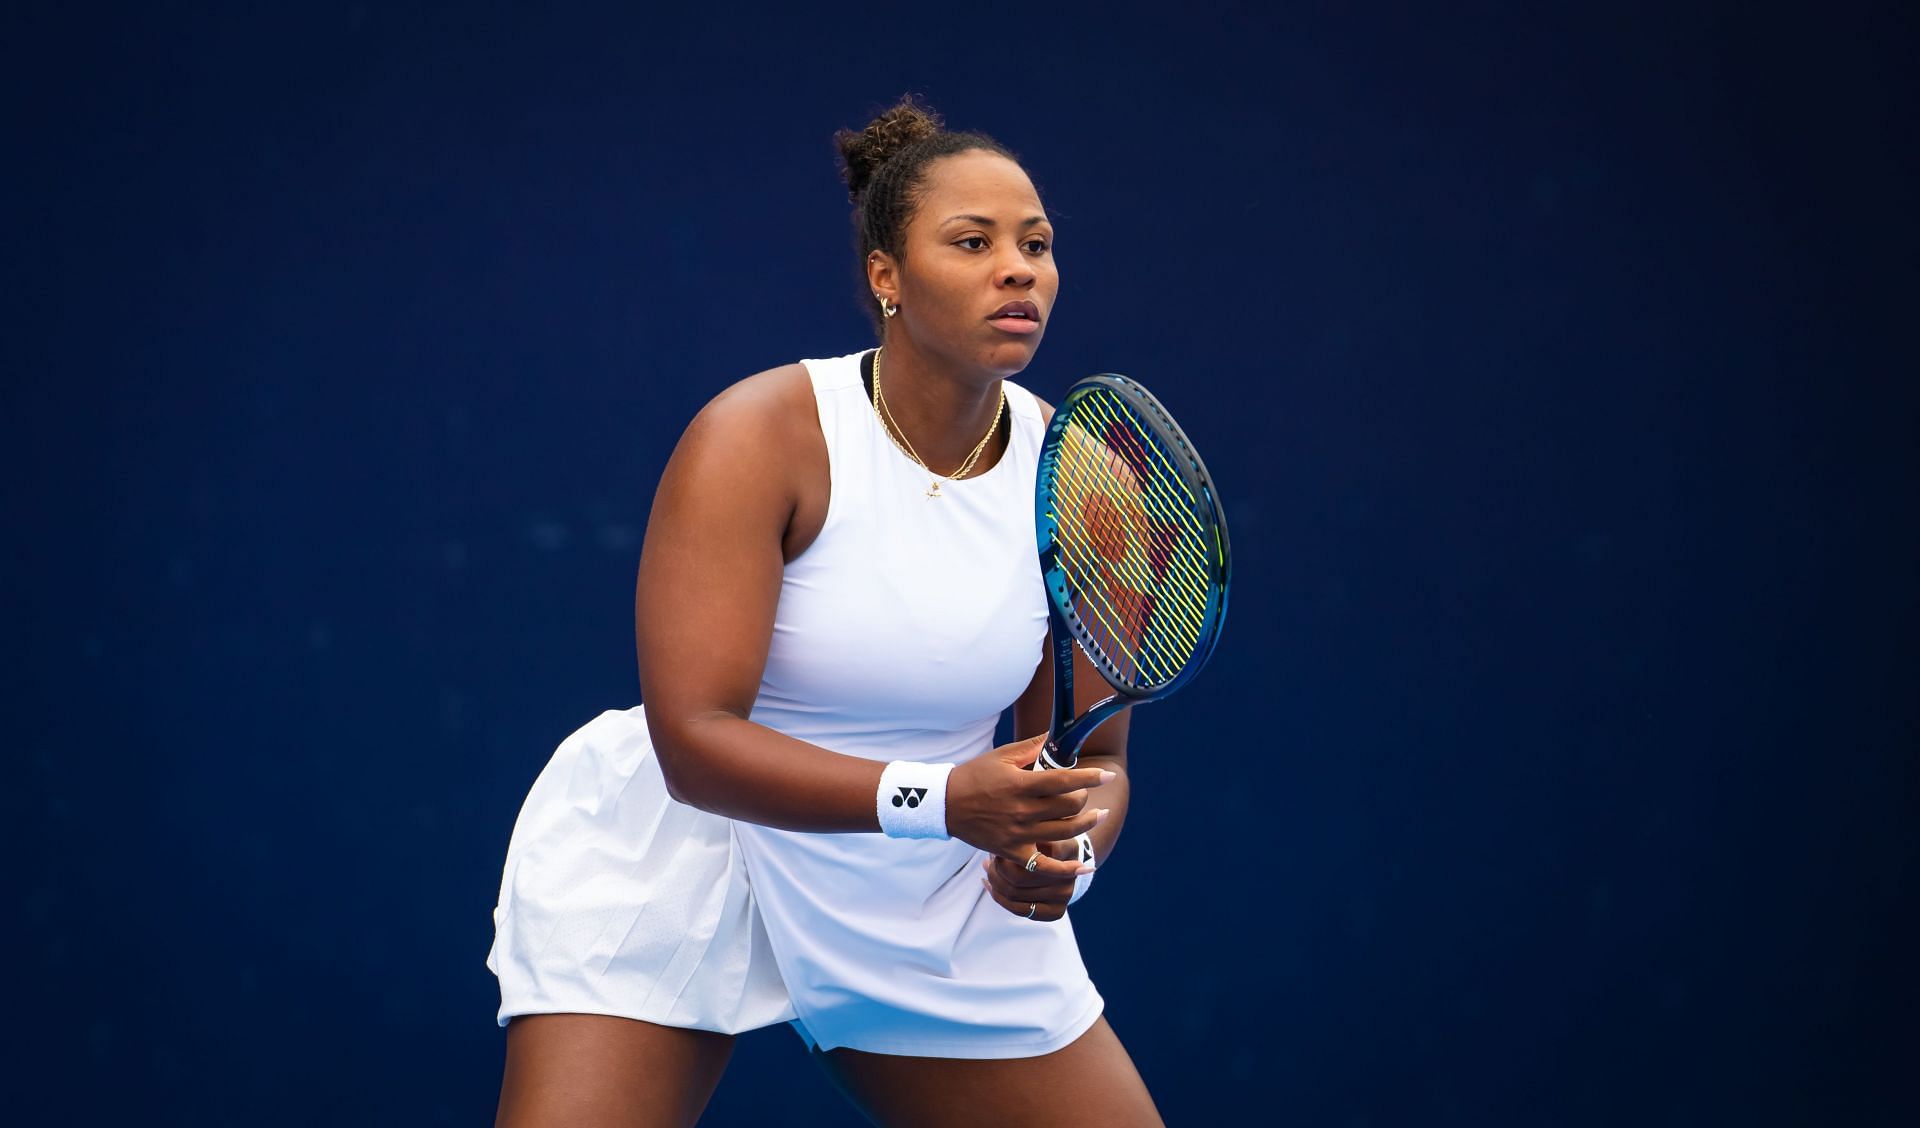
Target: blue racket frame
(1067, 732)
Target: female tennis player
(838, 597)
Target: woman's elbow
(680, 763)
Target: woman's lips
(1019, 325)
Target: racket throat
(1062, 749)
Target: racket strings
(1133, 588)
(1180, 508)
(1118, 626)
(1162, 490)
(1129, 542)
(1157, 517)
(1136, 634)
(1120, 644)
(1124, 435)
(1124, 430)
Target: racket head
(1133, 538)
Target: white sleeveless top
(902, 633)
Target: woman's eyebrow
(983, 221)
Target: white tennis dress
(901, 633)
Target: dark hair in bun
(885, 166)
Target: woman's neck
(942, 409)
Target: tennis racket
(1133, 549)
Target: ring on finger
(1032, 908)
(1033, 863)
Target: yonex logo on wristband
(912, 800)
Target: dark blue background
(1558, 766)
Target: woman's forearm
(724, 763)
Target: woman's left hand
(1040, 894)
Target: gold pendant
(934, 490)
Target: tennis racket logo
(909, 797)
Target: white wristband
(912, 801)
(1081, 882)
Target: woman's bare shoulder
(757, 445)
(767, 416)
(760, 407)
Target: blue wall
(1558, 766)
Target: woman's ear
(883, 279)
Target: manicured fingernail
(1083, 871)
(1106, 776)
(1100, 816)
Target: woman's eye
(974, 242)
(1037, 246)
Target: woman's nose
(1017, 272)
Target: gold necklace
(900, 439)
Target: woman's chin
(1010, 357)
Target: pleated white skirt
(618, 900)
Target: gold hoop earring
(889, 310)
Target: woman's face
(977, 281)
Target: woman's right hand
(996, 803)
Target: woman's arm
(704, 606)
(703, 617)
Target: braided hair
(885, 167)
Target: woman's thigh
(600, 1071)
(1090, 1081)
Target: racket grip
(1053, 756)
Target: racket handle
(1052, 756)
(1062, 749)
